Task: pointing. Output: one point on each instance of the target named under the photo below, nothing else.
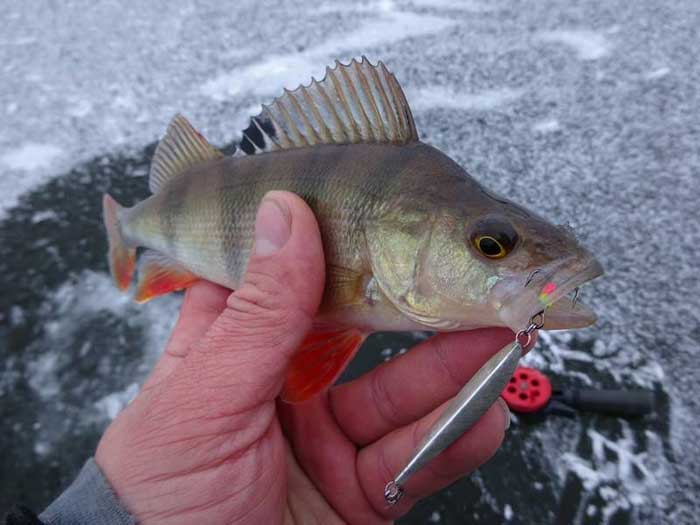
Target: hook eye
(536, 321)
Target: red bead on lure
(546, 293)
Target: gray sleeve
(88, 501)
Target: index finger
(407, 388)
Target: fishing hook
(531, 277)
(575, 298)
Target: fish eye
(494, 238)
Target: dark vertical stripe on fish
(229, 239)
(173, 204)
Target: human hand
(207, 440)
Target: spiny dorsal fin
(354, 103)
(181, 148)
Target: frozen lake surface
(587, 112)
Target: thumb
(244, 355)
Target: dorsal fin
(354, 103)
(181, 148)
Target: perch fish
(411, 240)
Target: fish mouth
(552, 289)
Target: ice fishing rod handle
(612, 402)
(464, 410)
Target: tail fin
(122, 259)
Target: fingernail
(272, 226)
(506, 412)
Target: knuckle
(447, 370)
(261, 302)
(387, 406)
(264, 290)
(262, 310)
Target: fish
(411, 240)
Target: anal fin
(320, 360)
(159, 275)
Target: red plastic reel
(527, 391)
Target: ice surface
(47, 215)
(30, 156)
(546, 126)
(578, 110)
(439, 97)
(658, 73)
(111, 404)
(588, 45)
(24, 167)
(618, 473)
(507, 512)
(270, 75)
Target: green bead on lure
(411, 240)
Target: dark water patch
(49, 240)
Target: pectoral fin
(322, 357)
(343, 286)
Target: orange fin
(322, 357)
(122, 259)
(159, 275)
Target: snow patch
(24, 168)
(31, 156)
(588, 45)
(17, 316)
(51, 371)
(42, 375)
(546, 126)
(619, 474)
(657, 73)
(42, 448)
(80, 108)
(555, 359)
(46, 215)
(456, 5)
(110, 405)
(356, 7)
(76, 301)
(441, 97)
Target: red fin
(122, 259)
(322, 357)
(159, 275)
